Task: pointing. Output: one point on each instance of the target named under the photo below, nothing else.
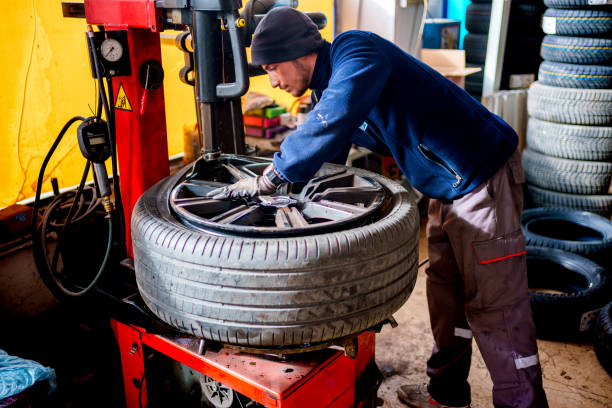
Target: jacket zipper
(432, 157)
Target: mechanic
(367, 91)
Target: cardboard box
(450, 63)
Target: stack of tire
(568, 268)
(522, 42)
(568, 160)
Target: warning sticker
(122, 102)
(549, 25)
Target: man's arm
(359, 75)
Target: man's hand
(248, 187)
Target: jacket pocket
(500, 271)
(432, 157)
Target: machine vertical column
(142, 144)
(206, 43)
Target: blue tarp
(17, 374)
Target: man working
(368, 92)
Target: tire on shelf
(566, 292)
(568, 4)
(602, 339)
(567, 176)
(570, 105)
(597, 204)
(577, 50)
(473, 82)
(475, 46)
(570, 141)
(587, 23)
(575, 76)
(268, 292)
(579, 232)
(524, 17)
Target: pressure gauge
(111, 50)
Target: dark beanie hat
(284, 34)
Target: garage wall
(45, 80)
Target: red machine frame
(315, 381)
(324, 379)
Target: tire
(569, 105)
(271, 292)
(570, 141)
(521, 54)
(477, 18)
(579, 232)
(524, 18)
(597, 204)
(567, 176)
(475, 46)
(580, 289)
(567, 4)
(602, 339)
(577, 50)
(473, 82)
(575, 76)
(588, 23)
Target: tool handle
(102, 178)
(143, 101)
(241, 82)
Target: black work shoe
(417, 396)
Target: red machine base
(326, 378)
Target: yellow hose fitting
(240, 23)
(107, 204)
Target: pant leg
(449, 364)
(484, 231)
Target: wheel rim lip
(187, 217)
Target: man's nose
(273, 81)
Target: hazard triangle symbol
(122, 102)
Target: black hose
(39, 237)
(110, 124)
(113, 137)
(41, 174)
(60, 237)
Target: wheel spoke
(350, 195)
(287, 217)
(241, 215)
(331, 210)
(236, 172)
(320, 184)
(197, 187)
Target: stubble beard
(303, 75)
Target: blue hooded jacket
(371, 93)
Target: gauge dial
(111, 50)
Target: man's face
(290, 76)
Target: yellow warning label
(122, 102)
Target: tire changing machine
(127, 46)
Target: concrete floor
(572, 375)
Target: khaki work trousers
(477, 287)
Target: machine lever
(241, 83)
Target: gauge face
(111, 49)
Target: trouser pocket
(500, 272)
